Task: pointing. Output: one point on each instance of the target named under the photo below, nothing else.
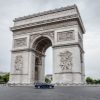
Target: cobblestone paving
(59, 93)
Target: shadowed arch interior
(41, 44)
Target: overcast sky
(90, 13)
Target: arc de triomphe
(60, 28)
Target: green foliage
(98, 81)
(47, 80)
(0, 77)
(89, 80)
(4, 79)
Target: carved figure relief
(33, 36)
(65, 61)
(20, 42)
(18, 63)
(65, 36)
(50, 33)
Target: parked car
(44, 85)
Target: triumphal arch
(60, 28)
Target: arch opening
(49, 65)
(41, 45)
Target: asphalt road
(58, 93)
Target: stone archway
(60, 28)
(40, 45)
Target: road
(58, 93)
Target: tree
(0, 77)
(95, 81)
(92, 81)
(1, 80)
(47, 80)
(98, 81)
(89, 80)
(5, 78)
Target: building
(60, 28)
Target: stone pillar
(67, 66)
(31, 59)
(42, 69)
(23, 67)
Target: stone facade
(60, 28)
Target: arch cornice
(54, 20)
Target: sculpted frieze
(32, 37)
(20, 42)
(49, 33)
(65, 61)
(18, 63)
(45, 27)
(65, 36)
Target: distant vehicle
(44, 85)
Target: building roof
(23, 22)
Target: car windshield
(41, 83)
